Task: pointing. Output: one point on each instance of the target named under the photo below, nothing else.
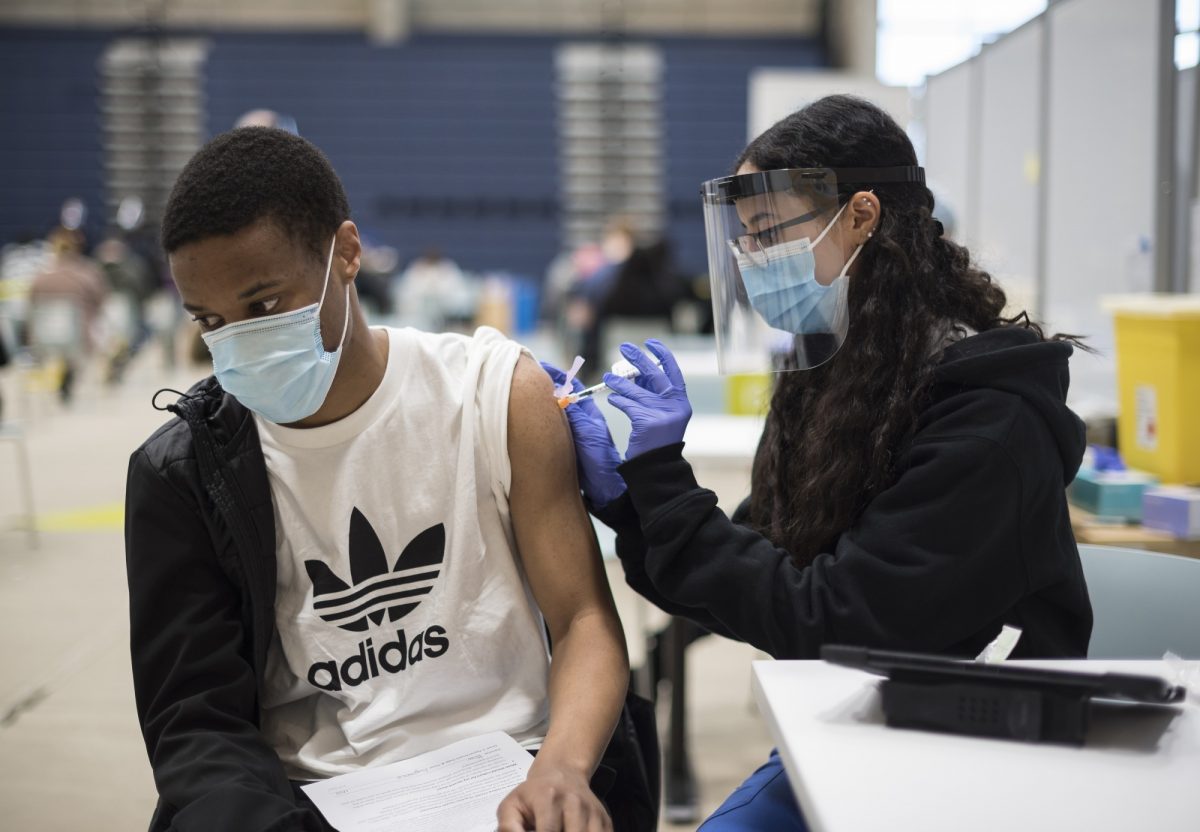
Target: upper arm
(555, 539)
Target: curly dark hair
(833, 433)
(249, 174)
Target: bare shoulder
(537, 427)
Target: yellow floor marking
(108, 517)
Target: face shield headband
(729, 189)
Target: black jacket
(201, 595)
(200, 555)
(973, 533)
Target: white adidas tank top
(404, 621)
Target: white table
(720, 438)
(850, 772)
(710, 437)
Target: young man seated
(348, 548)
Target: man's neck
(360, 372)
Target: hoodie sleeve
(932, 559)
(195, 688)
(621, 517)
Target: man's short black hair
(255, 173)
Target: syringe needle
(587, 393)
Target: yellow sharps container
(1158, 383)
(748, 394)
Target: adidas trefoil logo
(375, 589)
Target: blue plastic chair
(1144, 603)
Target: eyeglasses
(753, 245)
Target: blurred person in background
(20, 262)
(8, 350)
(428, 291)
(130, 277)
(375, 278)
(69, 291)
(646, 285)
(584, 308)
(638, 282)
(569, 268)
(267, 118)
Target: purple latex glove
(597, 456)
(656, 401)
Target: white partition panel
(777, 93)
(1099, 169)
(950, 153)
(1006, 220)
(1186, 240)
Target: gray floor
(71, 756)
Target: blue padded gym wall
(447, 141)
(51, 141)
(705, 107)
(453, 140)
(442, 141)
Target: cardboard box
(1173, 509)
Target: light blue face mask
(784, 289)
(277, 365)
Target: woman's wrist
(656, 478)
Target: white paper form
(458, 787)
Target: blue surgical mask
(277, 365)
(784, 288)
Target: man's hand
(553, 799)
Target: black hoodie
(972, 534)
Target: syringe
(622, 368)
(586, 393)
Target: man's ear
(348, 250)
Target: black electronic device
(995, 700)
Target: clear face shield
(778, 261)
